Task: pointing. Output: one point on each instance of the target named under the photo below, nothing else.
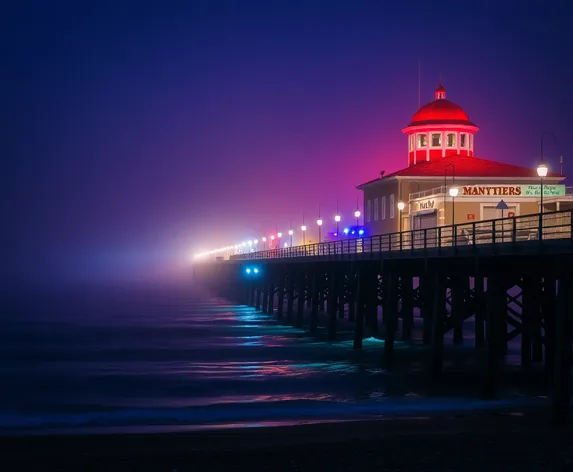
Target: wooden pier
(514, 276)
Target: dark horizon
(136, 134)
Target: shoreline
(250, 447)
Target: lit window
(422, 140)
(376, 212)
(463, 140)
(383, 202)
(412, 142)
(436, 140)
(368, 211)
(392, 206)
(451, 140)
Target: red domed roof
(440, 111)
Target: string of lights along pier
(443, 184)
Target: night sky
(135, 133)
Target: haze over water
(170, 358)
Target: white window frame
(418, 138)
(447, 140)
(432, 140)
(465, 144)
(392, 212)
(376, 212)
(383, 209)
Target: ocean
(171, 358)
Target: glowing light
(285, 244)
(303, 227)
(319, 222)
(273, 237)
(248, 271)
(345, 230)
(542, 170)
(256, 241)
(263, 239)
(361, 232)
(280, 235)
(401, 206)
(454, 191)
(255, 270)
(337, 218)
(290, 232)
(250, 243)
(357, 214)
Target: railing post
(514, 230)
(439, 237)
(540, 230)
(474, 234)
(455, 236)
(493, 231)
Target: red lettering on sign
(471, 216)
(492, 191)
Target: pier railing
(537, 227)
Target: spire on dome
(440, 93)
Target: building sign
(511, 214)
(471, 216)
(512, 190)
(425, 205)
(548, 190)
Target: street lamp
(272, 240)
(290, 233)
(337, 219)
(542, 173)
(264, 240)
(401, 206)
(319, 223)
(303, 229)
(542, 167)
(357, 216)
(451, 164)
(454, 191)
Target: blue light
(346, 230)
(353, 232)
(361, 232)
(256, 271)
(248, 271)
(335, 234)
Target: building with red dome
(441, 156)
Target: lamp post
(290, 233)
(542, 167)
(357, 216)
(319, 223)
(264, 240)
(337, 219)
(401, 206)
(542, 173)
(454, 191)
(446, 183)
(272, 241)
(303, 229)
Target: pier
(513, 276)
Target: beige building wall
(379, 218)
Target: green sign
(548, 190)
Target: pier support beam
(438, 324)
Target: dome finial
(440, 93)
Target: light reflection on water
(161, 359)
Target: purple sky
(134, 134)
